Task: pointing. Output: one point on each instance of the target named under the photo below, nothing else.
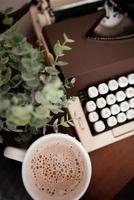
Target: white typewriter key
(92, 92)
(103, 88)
(121, 117)
(111, 121)
(101, 102)
(113, 85)
(124, 106)
(130, 114)
(120, 96)
(90, 106)
(130, 92)
(111, 99)
(93, 117)
(105, 113)
(99, 126)
(123, 81)
(131, 103)
(131, 79)
(115, 109)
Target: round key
(130, 114)
(103, 88)
(131, 103)
(93, 117)
(105, 113)
(121, 117)
(123, 81)
(115, 109)
(111, 121)
(90, 106)
(113, 85)
(99, 126)
(120, 96)
(101, 102)
(131, 79)
(124, 106)
(130, 92)
(110, 99)
(92, 92)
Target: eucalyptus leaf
(27, 76)
(20, 115)
(4, 60)
(66, 48)
(67, 39)
(55, 128)
(58, 50)
(24, 137)
(65, 103)
(51, 58)
(65, 124)
(42, 112)
(20, 98)
(5, 76)
(61, 63)
(17, 38)
(67, 117)
(52, 70)
(71, 123)
(7, 21)
(62, 120)
(33, 84)
(56, 121)
(44, 130)
(4, 103)
(5, 89)
(16, 81)
(10, 126)
(37, 123)
(67, 83)
(73, 80)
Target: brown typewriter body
(90, 62)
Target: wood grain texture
(113, 167)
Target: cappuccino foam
(57, 170)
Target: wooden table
(113, 167)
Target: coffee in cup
(56, 167)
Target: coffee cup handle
(15, 153)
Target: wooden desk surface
(113, 167)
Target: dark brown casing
(90, 61)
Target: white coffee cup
(36, 155)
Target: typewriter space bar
(124, 129)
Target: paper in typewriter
(55, 4)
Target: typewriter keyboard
(109, 104)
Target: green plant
(31, 93)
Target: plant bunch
(31, 93)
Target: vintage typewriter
(101, 60)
